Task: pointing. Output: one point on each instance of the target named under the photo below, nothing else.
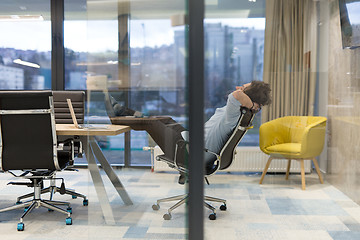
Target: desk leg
(98, 183)
(110, 172)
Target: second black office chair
(223, 161)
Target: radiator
(247, 159)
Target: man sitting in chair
(165, 130)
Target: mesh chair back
(28, 137)
(62, 112)
(228, 151)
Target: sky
(353, 12)
(99, 36)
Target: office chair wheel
(26, 208)
(74, 197)
(212, 216)
(50, 210)
(155, 207)
(68, 221)
(167, 216)
(20, 226)
(69, 210)
(223, 207)
(85, 202)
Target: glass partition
(234, 55)
(130, 58)
(306, 51)
(151, 78)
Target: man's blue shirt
(218, 128)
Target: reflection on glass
(234, 53)
(156, 62)
(25, 57)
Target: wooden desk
(70, 129)
(93, 151)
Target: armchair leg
(318, 170)
(288, 169)
(265, 169)
(302, 174)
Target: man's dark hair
(259, 92)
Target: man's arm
(242, 98)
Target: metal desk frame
(93, 152)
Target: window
(234, 53)
(25, 45)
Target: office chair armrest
(181, 153)
(68, 146)
(76, 144)
(67, 142)
(182, 145)
(217, 155)
(78, 148)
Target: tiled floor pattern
(277, 210)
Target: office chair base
(52, 190)
(37, 202)
(183, 198)
(167, 216)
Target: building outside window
(25, 57)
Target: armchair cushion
(285, 148)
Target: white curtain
(290, 57)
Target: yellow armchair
(293, 138)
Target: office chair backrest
(228, 151)
(62, 112)
(28, 134)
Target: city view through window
(233, 56)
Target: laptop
(83, 126)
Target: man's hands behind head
(242, 97)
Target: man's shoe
(121, 111)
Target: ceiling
(139, 9)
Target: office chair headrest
(25, 93)
(244, 110)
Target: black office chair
(223, 161)
(63, 116)
(29, 144)
(62, 112)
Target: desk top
(70, 129)
(134, 120)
